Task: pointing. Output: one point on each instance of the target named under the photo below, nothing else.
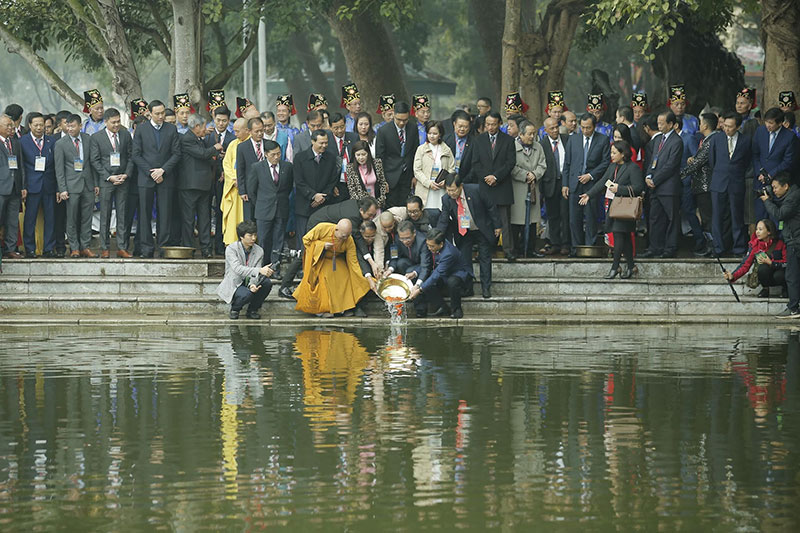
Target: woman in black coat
(624, 177)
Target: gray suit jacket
(302, 141)
(272, 201)
(67, 178)
(11, 181)
(237, 268)
(101, 157)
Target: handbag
(626, 207)
(752, 277)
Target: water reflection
(482, 428)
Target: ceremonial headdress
(677, 93)
(418, 101)
(595, 102)
(182, 100)
(216, 98)
(316, 100)
(287, 100)
(241, 105)
(555, 99)
(386, 102)
(750, 94)
(138, 108)
(639, 100)
(91, 98)
(515, 104)
(787, 99)
(349, 93)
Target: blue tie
(585, 151)
(772, 139)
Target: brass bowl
(176, 252)
(396, 287)
(591, 251)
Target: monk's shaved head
(344, 228)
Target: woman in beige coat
(529, 169)
(430, 159)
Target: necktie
(402, 135)
(493, 138)
(661, 145)
(39, 145)
(461, 143)
(341, 148)
(730, 147)
(317, 158)
(586, 141)
(77, 145)
(772, 139)
(8, 146)
(557, 156)
(275, 174)
(460, 202)
(259, 152)
(114, 143)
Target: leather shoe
(49, 255)
(535, 254)
(511, 258)
(234, 314)
(105, 254)
(669, 255)
(207, 255)
(30, 255)
(61, 253)
(487, 293)
(124, 254)
(74, 253)
(612, 273)
(286, 292)
(648, 254)
(442, 311)
(12, 255)
(458, 313)
(254, 315)
(88, 253)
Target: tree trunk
(510, 63)
(489, 18)
(187, 49)
(367, 47)
(17, 46)
(305, 53)
(544, 53)
(779, 22)
(117, 54)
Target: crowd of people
(409, 195)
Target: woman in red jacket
(770, 253)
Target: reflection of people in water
(333, 364)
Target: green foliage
(395, 11)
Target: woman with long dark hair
(365, 131)
(365, 175)
(622, 132)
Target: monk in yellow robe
(332, 278)
(231, 204)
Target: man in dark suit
(413, 258)
(493, 158)
(248, 153)
(273, 184)
(587, 157)
(729, 158)
(773, 152)
(625, 116)
(156, 154)
(40, 184)
(469, 217)
(77, 185)
(556, 206)
(222, 135)
(12, 183)
(195, 181)
(662, 177)
(460, 143)
(315, 176)
(113, 167)
(396, 144)
(448, 270)
(340, 144)
(302, 141)
(691, 143)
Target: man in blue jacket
(448, 270)
(773, 152)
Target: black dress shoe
(612, 273)
(535, 254)
(286, 292)
(49, 255)
(234, 314)
(511, 258)
(669, 255)
(207, 255)
(763, 294)
(31, 255)
(146, 256)
(61, 254)
(648, 254)
(255, 315)
(468, 291)
(487, 293)
(442, 311)
(458, 313)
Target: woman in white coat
(431, 157)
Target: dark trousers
(175, 235)
(162, 197)
(689, 210)
(131, 211)
(254, 300)
(623, 244)
(508, 235)
(196, 202)
(793, 275)
(664, 224)
(291, 271)
(727, 222)
(398, 194)
(219, 245)
(9, 217)
(248, 208)
(703, 202)
(435, 295)
(557, 209)
(48, 203)
(771, 276)
(403, 265)
(582, 231)
(270, 236)
(465, 244)
(116, 195)
(79, 219)
(60, 226)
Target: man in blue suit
(219, 134)
(586, 160)
(448, 270)
(729, 157)
(690, 145)
(40, 173)
(773, 152)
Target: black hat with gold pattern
(91, 98)
(288, 101)
(386, 103)
(216, 98)
(515, 104)
(595, 102)
(750, 94)
(241, 105)
(138, 108)
(317, 101)
(787, 99)
(181, 101)
(555, 99)
(418, 101)
(349, 93)
(639, 100)
(677, 93)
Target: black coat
(151, 150)
(245, 159)
(11, 181)
(198, 163)
(397, 168)
(483, 211)
(551, 181)
(666, 175)
(272, 201)
(465, 167)
(628, 175)
(499, 165)
(311, 178)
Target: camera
(289, 254)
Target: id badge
(77, 165)
(38, 163)
(114, 159)
(463, 222)
(12, 162)
(609, 194)
(655, 162)
(436, 170)
(393, 252)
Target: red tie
(114, 143)
(39, 145)
(77, 146)
(462, 231)
(341, 146)
(8, 146)
(275, 174)
(660, 146)
(259, 153)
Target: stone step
(511, 286)
(92, 268)
(565, 306)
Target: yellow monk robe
(231, 205)
(325, 289)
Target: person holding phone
(246, 282)
(769, 253)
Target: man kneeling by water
(246, 282)
(449, 271)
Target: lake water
(243, 428)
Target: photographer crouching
(784, 206)
(246, 282)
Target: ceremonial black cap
(91, 98)
(349, 93)
(386, 102)
(317, 100)
(138, 108)
(180, 101)
(287, 100)
(216, 98)
(515, 104)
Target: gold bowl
(176, 252)
(394, 288)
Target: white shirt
(732, 142)
(111, 139)
(561, 152)
(156, 126)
